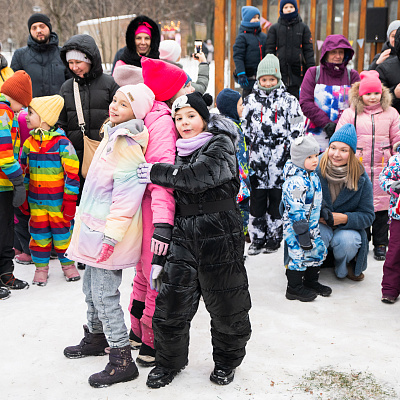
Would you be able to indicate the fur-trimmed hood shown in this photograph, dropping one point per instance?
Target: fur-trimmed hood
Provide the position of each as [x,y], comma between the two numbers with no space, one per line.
[222,125]
[355,100]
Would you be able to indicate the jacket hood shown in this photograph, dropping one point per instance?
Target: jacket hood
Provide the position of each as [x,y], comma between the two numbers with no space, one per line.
[87,45]
[3,61]
[41,134]
[155,35]
[218,125]
[355,100]
[159,109]
[43,47]
[397,43]
[133,128]
[333,42]
[291,169]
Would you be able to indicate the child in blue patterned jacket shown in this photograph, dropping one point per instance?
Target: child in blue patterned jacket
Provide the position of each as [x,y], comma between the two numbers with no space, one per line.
[302,198]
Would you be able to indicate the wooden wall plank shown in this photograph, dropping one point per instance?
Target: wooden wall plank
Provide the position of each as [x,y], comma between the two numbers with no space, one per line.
[232,41]
[219,43]
[361,34]
[264,12]
[346,17]
[313,18]
[329,17]
[398,10]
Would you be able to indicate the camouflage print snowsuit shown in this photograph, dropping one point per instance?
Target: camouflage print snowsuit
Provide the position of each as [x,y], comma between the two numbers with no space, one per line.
[271,122]
[297,196]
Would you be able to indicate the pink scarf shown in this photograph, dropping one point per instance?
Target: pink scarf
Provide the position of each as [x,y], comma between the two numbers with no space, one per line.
[186,147]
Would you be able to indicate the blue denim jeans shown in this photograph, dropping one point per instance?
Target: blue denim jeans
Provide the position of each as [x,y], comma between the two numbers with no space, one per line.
[345,244]
[104,312]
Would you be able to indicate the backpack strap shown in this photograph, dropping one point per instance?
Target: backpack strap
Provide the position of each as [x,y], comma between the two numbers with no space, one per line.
[317,73]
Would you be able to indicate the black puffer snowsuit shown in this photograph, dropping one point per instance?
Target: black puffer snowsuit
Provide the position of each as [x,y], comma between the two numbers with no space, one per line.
[205,256]
[43,64]
[291,42]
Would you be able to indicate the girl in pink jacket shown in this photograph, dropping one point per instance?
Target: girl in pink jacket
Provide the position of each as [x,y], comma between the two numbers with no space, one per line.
[107,236]
[377,126]
[167,82]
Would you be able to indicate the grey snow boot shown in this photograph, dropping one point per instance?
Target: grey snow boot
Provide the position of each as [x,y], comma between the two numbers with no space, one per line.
[93,344]
[120,368]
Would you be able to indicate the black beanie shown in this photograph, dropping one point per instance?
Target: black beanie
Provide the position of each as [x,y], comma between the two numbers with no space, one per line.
[196,101]
[39,18]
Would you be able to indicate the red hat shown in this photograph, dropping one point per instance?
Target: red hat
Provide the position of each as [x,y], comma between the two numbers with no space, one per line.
[19,88]
[370,82]
[164,79]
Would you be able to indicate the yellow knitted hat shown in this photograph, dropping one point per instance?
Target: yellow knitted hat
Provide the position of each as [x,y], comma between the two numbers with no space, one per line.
[48,108]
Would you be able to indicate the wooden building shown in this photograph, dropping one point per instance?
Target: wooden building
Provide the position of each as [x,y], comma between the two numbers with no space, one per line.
[324,17]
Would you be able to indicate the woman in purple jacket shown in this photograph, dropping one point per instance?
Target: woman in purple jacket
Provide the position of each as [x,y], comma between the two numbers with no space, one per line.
[324,91]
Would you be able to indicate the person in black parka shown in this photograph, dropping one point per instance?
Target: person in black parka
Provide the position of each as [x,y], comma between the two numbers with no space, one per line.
[388,51]
[249,48]
[290,40]
[131,54]
[389,73]
[96,91]
[206,251]
[41,58]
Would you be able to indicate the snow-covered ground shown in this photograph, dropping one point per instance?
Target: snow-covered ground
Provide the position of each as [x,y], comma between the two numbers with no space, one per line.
[350,330]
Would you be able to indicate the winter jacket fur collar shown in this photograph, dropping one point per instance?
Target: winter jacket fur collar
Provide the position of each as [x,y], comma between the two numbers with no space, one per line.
[355,100]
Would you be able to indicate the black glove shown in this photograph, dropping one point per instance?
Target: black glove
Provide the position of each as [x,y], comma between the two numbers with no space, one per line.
[161,238]
[254,182]
[242,79]
[327,215]
[19,194]
[329,129]
[301,229]
[395,187]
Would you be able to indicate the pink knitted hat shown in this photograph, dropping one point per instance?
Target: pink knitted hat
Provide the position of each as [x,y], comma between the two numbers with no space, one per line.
[370,82]
[144,28]
[127,74]
[164,79]
[140,97]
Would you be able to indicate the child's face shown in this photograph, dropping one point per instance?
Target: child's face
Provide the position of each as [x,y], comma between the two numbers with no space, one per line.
[311,162]
[189,88]
[32,119]
[120,109]
[256,18]
[240,107]
[288,8]
[14,105]
[371,99]
[268,81]
[188,122]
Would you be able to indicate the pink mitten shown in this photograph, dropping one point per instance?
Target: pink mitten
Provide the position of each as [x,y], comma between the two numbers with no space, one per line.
[106,252]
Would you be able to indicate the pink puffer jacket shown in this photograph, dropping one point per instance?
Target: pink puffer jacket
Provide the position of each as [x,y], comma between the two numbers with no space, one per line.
[378,134]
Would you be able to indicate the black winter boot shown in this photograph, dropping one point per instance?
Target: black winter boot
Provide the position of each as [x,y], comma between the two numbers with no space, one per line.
[120,368]
[222,375]
[161,376]
[93,344]
[311,277]
[147,356]
[295,288]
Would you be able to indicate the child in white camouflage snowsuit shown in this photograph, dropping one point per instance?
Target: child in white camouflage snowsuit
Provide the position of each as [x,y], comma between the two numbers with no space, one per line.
[272,119]
[302,199]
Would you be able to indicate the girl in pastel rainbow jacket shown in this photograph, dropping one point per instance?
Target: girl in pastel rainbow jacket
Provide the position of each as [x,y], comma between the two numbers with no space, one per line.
[108,230]
[51,166]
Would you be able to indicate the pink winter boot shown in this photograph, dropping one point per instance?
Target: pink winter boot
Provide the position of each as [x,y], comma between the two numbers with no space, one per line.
[71,273]
[40,277]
